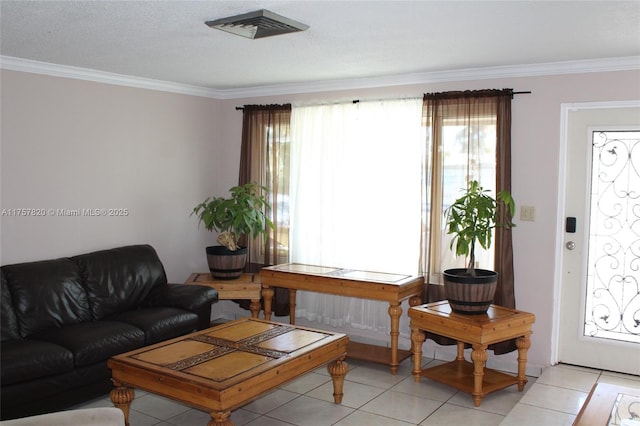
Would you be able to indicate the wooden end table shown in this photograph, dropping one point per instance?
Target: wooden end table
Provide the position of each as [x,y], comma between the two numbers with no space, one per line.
[247,287]
[225,367]
[497,325]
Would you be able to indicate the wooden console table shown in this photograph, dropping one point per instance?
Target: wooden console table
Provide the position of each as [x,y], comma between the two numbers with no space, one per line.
[497,325]
[247,287]
[391,288]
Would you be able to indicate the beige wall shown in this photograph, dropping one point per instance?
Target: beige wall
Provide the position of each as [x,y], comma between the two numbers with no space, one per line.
[72,144]
[76,144]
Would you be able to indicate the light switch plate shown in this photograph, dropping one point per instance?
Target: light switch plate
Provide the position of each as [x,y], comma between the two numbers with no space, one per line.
[528,213]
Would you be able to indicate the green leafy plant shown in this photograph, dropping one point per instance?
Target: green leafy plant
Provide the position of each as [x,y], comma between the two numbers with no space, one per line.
[472,217]
[243,213]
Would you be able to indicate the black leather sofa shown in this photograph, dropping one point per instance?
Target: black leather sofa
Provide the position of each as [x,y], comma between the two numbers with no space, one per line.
[62,320]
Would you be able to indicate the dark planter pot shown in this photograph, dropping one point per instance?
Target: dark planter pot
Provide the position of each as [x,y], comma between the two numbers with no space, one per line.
[470,295]
[225,264]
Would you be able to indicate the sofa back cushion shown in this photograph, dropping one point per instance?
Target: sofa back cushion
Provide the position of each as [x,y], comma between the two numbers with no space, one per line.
[8,320]
[46,294]
[120,279]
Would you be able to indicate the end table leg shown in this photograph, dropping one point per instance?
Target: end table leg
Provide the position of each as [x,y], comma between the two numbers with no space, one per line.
[267,295]
[220,418]
[523,344]
[254,307]
[338,370]
[414,301]
[417,338]
[460,351]
[121,398]
[479,357]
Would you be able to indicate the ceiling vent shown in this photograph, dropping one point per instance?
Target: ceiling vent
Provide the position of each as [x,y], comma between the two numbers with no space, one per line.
[258,24]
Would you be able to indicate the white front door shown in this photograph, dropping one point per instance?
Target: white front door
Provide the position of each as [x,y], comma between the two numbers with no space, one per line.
[599,310]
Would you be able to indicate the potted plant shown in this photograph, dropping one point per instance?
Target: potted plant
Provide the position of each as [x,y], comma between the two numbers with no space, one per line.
[242,214]
[471,219]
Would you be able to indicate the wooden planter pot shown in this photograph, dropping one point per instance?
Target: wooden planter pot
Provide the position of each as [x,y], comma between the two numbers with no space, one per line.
[470,295]
[225,264]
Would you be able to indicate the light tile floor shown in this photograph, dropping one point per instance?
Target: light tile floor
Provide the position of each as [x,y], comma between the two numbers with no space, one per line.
[372,396]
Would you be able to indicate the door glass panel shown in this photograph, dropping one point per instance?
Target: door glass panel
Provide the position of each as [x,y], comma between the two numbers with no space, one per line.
[613,274]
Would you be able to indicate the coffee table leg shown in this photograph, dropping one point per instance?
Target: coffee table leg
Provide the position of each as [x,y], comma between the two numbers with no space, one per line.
[338,371]
[267,295]
[394,313]
[479,357]
[121,398]
[417,338]
[523,344]
[220,418]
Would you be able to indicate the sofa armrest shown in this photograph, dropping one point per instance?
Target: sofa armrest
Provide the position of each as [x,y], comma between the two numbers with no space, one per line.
[194,298]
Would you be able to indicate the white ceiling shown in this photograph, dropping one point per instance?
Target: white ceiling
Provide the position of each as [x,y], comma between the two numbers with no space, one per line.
[347,40]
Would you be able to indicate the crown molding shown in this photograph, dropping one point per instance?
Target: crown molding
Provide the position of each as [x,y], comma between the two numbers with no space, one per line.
[551,68]
[46,68]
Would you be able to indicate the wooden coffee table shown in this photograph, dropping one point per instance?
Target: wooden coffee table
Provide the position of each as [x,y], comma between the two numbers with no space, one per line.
[225,367]
[497,325]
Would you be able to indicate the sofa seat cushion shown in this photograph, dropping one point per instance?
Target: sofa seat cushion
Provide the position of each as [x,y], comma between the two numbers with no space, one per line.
[26,359]
[160,323]
[96,341]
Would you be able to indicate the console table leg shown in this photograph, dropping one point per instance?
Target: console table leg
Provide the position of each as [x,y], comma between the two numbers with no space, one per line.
[415,300]
[292,306]
[338,370]
[220,418]
[479,357]
[121,398]
[394,313]
[267,295]
[523,344]
[417,338]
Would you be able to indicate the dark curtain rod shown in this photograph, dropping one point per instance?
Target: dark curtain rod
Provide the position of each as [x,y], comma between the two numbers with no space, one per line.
[355,101]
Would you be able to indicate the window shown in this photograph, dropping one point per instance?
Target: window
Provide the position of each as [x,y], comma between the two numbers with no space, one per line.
[468,152]
[356,186]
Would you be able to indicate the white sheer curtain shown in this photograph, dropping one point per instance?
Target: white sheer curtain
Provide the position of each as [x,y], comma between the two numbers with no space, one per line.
[356,182]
